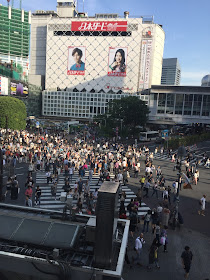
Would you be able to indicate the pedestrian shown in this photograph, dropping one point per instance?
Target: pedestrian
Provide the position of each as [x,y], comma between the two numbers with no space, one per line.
[147,220]
[38,194]
[155,190]
[186,257]
[146,189]
[54,189]
[153,254]
[164,239]
[202,203]
[138,249]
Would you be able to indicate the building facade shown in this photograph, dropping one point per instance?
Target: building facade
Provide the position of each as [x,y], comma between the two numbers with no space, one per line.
[78,105]
[55,36]
[171,72]
[15,37]
[179,104]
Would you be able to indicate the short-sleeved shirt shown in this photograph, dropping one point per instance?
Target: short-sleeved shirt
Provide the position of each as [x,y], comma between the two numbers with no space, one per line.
[187,257]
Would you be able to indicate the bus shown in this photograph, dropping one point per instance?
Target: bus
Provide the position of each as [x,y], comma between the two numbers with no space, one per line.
[148,136]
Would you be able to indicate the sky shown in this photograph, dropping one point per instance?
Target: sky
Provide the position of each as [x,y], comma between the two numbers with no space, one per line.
[186,24]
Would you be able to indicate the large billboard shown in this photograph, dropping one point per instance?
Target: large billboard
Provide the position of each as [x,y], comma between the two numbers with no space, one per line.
[76,60]
[81,57]
[117,61]
[4,82]
[99,26]
[18,89]
[146,54]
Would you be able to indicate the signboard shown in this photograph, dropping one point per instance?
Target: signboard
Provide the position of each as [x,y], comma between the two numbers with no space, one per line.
[99,26]
[146,54]
[4,82]
[117,61]
[18,89]
[76,60]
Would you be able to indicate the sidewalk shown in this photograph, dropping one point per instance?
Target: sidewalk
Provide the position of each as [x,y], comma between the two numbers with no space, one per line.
[170,263]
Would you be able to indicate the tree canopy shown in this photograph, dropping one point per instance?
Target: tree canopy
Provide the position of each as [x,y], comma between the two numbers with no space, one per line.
[12,113]
[128,111]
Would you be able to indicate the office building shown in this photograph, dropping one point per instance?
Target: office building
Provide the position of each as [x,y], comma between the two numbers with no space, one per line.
[57,36]
[15,38]
[171,72]
[179,104]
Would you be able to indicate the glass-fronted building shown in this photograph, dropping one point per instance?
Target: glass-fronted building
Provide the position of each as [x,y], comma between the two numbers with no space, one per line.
[179,104]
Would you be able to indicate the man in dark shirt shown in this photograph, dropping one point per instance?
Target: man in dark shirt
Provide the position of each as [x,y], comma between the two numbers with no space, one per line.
[38,194]
[186,260]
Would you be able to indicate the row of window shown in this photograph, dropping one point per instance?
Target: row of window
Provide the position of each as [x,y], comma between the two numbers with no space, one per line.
[184,104]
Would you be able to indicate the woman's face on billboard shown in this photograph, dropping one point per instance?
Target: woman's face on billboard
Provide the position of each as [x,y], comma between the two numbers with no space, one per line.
[77,58]
[118,57]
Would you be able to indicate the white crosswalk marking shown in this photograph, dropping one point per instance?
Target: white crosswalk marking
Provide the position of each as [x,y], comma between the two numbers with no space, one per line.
[49,202]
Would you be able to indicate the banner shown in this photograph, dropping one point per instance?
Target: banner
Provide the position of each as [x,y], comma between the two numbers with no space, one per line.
[4,82]
[99,26]
[76,60]
[146,53]
[18,89]
[117,61]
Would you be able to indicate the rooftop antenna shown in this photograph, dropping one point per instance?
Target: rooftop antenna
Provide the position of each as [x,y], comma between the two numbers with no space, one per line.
[8,2]
[20,4]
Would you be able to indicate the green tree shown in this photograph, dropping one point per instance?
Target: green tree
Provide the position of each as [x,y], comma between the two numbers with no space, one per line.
[128,112]
[12,113]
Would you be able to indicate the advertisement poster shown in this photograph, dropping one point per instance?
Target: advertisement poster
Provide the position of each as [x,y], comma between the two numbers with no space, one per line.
[76,60]
[19,89]
[3,85]
[117,61]
[108,26]
[146,53]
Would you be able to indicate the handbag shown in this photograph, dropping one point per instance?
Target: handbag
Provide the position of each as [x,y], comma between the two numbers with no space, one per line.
[163,240]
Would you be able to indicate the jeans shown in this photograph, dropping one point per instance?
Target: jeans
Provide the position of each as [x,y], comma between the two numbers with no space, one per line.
[146,224]
[137,258]
[155,192]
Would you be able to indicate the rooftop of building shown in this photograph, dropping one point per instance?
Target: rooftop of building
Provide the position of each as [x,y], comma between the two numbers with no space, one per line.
[180,88]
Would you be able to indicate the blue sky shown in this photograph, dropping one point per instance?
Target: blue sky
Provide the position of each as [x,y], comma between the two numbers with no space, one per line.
[186,24]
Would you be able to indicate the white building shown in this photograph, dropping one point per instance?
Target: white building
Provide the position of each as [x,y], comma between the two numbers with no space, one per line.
[179,104]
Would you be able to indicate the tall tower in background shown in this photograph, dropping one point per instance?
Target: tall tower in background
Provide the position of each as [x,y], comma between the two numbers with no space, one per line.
[171,72]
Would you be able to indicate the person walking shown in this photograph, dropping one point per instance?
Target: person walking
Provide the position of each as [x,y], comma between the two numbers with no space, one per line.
[38,194]
[147,220]
[153,254]
[138,249]
[155,190]
[186,257]
[146,189]
[202,203]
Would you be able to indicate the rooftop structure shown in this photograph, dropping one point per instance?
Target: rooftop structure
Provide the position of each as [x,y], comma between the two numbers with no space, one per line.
[44,244]
[205,81]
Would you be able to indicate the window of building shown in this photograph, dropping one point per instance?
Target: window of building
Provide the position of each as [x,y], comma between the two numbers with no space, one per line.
[206,106]
[161,103]
[170,103]
[197,104]
[179,104]
[188,100]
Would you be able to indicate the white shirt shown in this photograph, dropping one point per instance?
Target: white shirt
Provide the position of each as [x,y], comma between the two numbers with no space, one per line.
[138,243]
[203,201]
